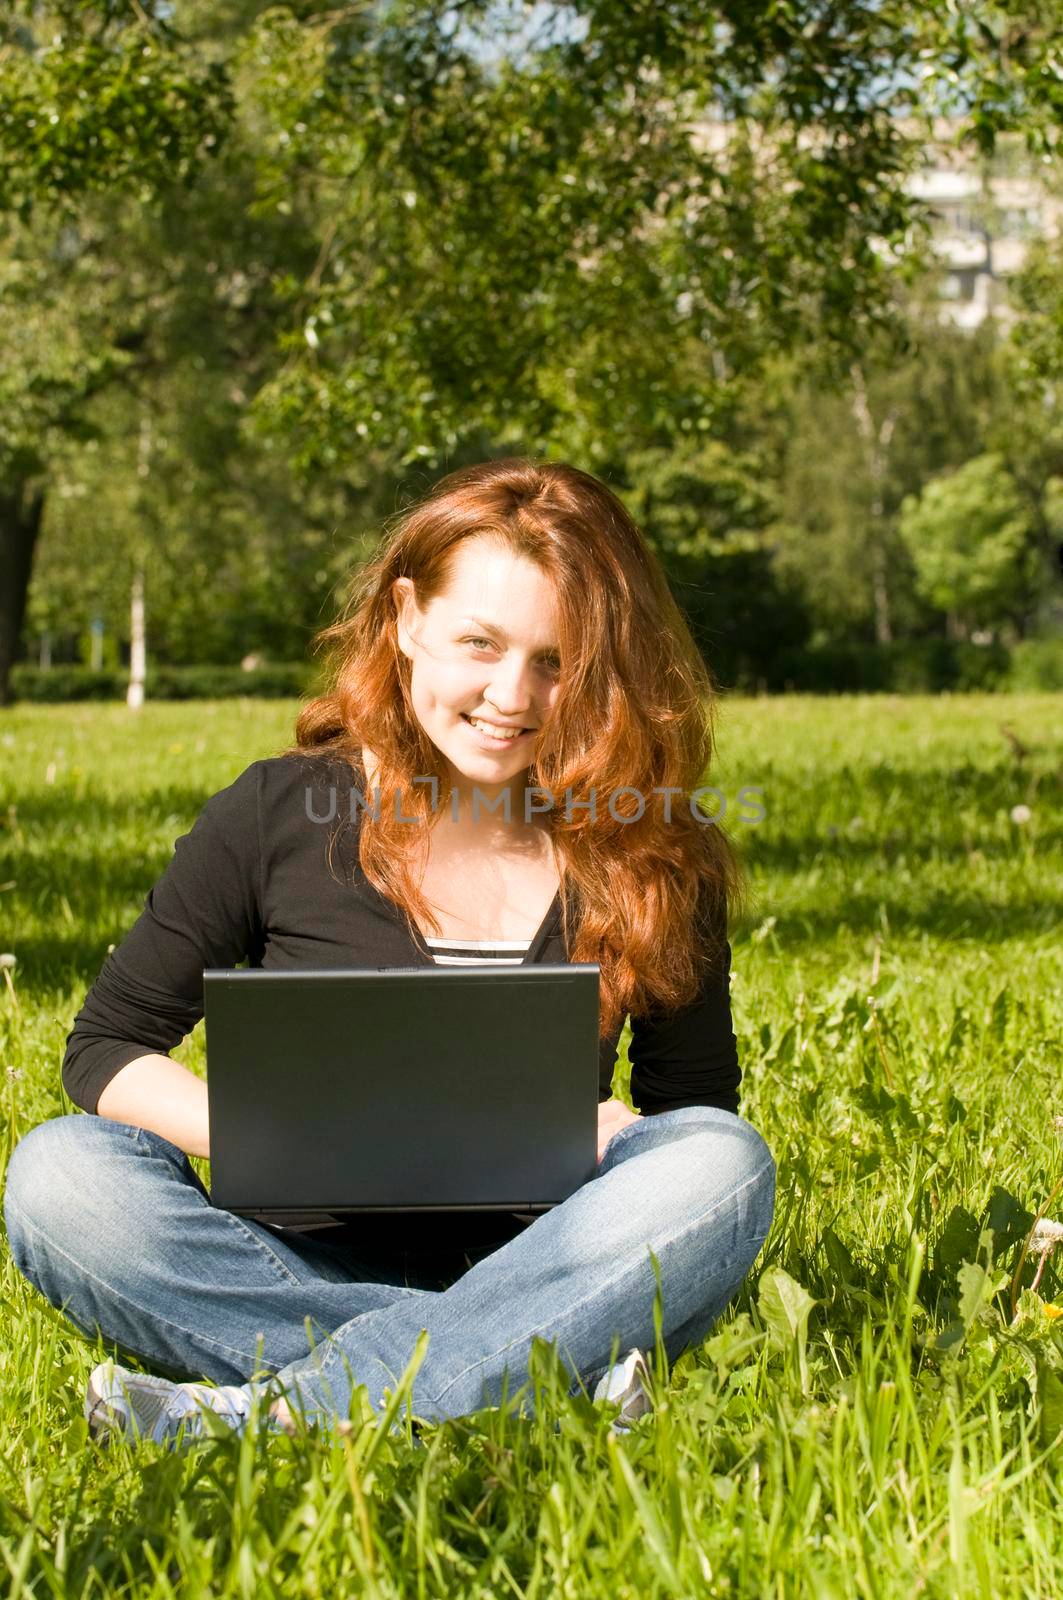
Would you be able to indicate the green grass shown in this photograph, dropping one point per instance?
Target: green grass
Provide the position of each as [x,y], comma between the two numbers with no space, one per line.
[870,1417]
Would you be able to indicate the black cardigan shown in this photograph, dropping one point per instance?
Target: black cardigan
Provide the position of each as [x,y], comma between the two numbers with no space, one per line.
[252,880]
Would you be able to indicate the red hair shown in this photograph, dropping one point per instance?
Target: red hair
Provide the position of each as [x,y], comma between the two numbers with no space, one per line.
[635,709]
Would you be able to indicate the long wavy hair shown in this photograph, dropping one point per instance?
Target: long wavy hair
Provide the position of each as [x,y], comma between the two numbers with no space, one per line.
[647,898]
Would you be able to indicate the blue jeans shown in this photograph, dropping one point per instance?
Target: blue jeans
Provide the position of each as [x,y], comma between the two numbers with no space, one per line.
[113,1226]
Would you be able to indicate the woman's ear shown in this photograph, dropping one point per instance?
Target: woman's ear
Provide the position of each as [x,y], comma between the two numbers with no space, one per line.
[403,596]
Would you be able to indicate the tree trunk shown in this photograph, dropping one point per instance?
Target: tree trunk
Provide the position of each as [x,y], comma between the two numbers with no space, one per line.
[880,594]
[137,642]
[21,508]
[876,441]
[137,651]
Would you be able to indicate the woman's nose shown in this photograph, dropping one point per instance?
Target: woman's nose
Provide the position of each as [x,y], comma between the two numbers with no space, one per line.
[510,690]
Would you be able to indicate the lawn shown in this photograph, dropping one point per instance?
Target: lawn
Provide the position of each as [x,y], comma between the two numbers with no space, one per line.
[879,1413]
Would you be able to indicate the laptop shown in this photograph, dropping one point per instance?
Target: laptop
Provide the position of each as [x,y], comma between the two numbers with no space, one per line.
[401,1089]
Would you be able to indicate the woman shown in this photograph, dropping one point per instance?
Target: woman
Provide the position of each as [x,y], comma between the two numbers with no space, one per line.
[515,639]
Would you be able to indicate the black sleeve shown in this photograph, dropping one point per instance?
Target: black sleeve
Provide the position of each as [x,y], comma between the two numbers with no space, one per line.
[203,912]
[688,1057]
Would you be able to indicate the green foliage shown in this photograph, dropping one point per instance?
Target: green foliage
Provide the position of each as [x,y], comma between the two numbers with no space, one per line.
[56,355]
[969,535]
[58,684]
[101,98]
[784,1308]
[548,193]
[845,456]
[907,666]
[995,62]
[705,509]
[1037,664]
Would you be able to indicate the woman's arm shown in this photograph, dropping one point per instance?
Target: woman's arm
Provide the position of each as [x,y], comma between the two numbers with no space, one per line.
[689,1057]
[157,1092]
[203,912]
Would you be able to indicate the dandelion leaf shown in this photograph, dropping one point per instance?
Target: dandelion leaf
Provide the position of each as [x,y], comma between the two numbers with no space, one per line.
[999,1018]
[975,1287]
[955,1110]
[784,1306]
[958,1242]
[1050,1401]
[838,1255]
[1009,1219]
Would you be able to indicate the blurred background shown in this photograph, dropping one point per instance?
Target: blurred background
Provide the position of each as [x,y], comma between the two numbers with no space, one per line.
[789,277]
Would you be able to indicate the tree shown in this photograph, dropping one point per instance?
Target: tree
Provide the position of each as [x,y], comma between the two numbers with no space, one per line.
[1028,432]
[89,102]
[707,511]
[583,246]
[846,455]
[969,534]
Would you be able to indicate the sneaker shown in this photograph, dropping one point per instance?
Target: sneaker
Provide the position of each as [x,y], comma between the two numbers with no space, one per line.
[625,1385]
[140,1406]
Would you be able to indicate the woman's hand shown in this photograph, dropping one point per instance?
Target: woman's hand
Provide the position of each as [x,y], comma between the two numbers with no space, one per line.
[612,1116]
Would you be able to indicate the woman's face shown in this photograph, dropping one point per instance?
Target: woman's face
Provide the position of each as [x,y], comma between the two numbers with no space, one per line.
[485,650]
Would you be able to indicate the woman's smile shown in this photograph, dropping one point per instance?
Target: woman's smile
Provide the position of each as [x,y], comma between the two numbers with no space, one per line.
[490,740]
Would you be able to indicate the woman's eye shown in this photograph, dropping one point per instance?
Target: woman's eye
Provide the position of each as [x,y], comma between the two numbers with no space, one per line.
[552,667]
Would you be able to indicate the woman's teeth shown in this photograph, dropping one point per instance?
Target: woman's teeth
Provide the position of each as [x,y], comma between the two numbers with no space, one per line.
[495,733]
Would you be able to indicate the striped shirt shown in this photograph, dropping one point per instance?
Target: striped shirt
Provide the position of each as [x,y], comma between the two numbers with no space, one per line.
[467,952]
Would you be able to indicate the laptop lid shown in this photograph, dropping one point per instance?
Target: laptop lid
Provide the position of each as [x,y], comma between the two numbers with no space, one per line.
[404,1088]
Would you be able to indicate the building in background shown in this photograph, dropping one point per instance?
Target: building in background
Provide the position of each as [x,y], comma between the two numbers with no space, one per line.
[984,215]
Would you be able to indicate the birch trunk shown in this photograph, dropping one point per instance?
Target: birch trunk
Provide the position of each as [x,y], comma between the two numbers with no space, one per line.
[137,651]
